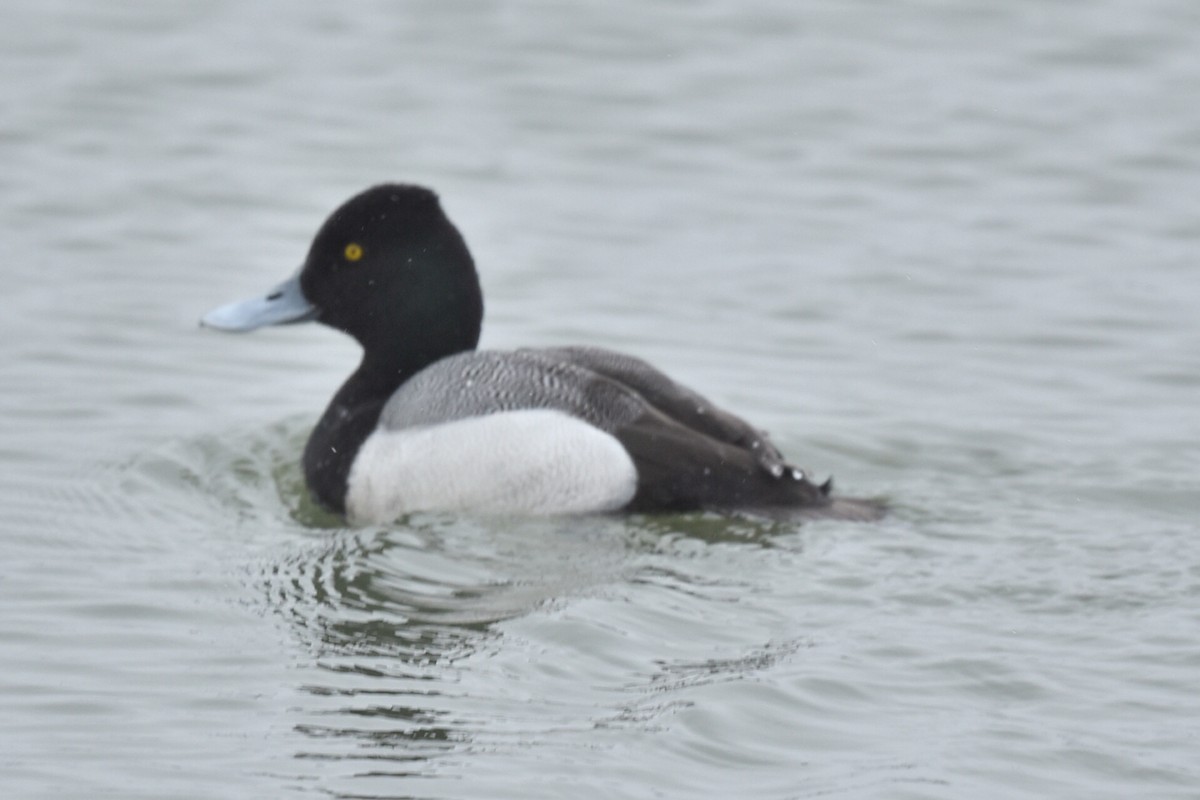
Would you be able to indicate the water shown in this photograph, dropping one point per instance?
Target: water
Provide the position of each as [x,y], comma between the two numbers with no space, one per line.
[944,251]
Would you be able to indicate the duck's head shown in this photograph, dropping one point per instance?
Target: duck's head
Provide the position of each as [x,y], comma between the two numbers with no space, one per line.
[389,269]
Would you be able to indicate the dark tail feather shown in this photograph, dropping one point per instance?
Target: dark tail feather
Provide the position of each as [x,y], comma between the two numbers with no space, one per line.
[679,470]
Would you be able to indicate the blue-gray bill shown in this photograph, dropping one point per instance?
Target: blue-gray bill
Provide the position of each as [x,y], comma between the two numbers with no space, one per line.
[284,304]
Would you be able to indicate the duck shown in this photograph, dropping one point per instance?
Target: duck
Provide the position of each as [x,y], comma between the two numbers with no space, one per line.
[429,423]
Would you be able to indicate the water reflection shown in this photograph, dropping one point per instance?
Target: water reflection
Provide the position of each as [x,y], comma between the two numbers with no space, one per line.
[709,528]
[394,618]
[407,625]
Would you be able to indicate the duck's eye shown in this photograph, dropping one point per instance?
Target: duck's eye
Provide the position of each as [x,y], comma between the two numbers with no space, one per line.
[353,251]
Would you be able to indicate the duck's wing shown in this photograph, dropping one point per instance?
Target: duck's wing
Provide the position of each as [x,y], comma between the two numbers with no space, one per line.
[605,388]
[688,453]
[677,402]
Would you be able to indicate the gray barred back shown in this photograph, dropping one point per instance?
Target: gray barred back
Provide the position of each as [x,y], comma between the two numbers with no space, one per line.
[476,383]
[608,389]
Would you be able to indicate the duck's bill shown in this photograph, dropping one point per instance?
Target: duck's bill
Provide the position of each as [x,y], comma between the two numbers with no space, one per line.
[284,304]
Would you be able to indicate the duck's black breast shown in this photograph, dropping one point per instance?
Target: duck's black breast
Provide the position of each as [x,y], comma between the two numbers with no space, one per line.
[335,442]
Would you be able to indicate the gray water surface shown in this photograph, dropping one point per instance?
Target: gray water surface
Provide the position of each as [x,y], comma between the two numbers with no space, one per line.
[945,251]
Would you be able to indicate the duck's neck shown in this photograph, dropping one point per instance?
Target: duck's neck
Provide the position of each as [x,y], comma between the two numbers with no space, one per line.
[347,422]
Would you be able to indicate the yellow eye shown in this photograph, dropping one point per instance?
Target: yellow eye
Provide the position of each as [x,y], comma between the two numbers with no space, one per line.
[353,251]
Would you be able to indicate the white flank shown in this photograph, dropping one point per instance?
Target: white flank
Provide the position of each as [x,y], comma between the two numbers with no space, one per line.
[516,462]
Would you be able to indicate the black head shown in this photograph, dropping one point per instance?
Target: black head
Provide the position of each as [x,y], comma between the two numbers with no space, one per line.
[392,271]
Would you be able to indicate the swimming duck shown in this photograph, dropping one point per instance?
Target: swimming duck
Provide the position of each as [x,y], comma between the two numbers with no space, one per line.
[429,423]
